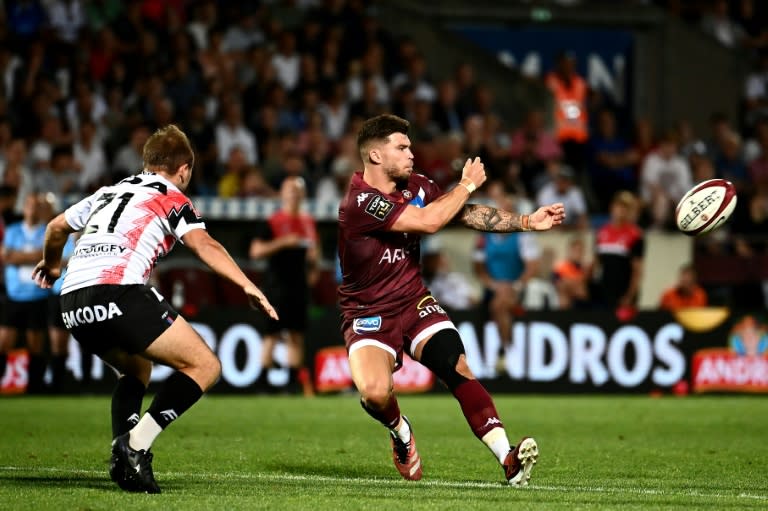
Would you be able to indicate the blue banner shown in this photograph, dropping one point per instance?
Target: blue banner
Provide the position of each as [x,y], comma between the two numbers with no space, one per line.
[603,56]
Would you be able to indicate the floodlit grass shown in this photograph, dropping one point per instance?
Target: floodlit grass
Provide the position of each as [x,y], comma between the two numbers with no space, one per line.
[256,452]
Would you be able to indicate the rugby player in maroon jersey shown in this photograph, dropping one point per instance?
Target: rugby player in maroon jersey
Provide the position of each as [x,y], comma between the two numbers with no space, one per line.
[387,309]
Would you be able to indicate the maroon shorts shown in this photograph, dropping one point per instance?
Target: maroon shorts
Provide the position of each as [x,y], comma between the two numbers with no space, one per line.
[396,330]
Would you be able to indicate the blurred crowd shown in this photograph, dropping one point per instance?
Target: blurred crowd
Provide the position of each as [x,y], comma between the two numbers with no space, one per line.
[273,89]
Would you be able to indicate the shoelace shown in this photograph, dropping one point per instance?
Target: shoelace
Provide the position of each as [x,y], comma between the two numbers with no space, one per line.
[401,449]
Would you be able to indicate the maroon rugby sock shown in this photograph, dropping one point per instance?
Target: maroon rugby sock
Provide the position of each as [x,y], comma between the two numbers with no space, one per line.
[389,416]
[478,407]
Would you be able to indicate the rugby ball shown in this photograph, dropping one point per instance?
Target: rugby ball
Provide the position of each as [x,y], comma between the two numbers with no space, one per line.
[705,207]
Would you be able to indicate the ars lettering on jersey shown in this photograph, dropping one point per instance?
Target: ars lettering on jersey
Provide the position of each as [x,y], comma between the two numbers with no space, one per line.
[393,255]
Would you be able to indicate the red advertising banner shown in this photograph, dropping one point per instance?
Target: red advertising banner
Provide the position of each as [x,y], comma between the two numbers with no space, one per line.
[332,373]
[741,367]
[15,379]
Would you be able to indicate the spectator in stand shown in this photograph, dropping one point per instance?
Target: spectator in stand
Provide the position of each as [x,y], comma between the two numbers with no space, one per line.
[286,61]
[331,188]
[758,167]
[63,176]
[686,293]
[66,18]
[720,129]
[423,130]
[231,132]
[335,111]
[451,288]
[290,243]
[571,278]
[254,184]
[15,174]
[756,90]
[570,92]
[619,249]
[128,160]
[369,105]
[235,169]
[504,263]
[612,159]
[730,165]
[563,189]
[644,142]
[666,177]
[90,158]
[545,146]
[718,24]
[415,74]
[446,111]
[25,308]
[51,135]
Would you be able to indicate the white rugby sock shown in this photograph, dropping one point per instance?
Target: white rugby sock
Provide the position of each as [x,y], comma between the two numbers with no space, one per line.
[497,441]
[144,433]
[403,431]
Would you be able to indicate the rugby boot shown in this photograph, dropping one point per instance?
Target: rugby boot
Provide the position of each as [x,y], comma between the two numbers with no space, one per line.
[406,457]
[520,461]
[136,465]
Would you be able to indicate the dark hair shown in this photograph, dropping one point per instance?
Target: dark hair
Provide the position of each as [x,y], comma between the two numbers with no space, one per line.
[379,128]
[168,148]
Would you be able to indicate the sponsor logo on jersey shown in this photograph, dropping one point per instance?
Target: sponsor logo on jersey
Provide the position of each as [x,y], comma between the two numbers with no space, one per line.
[90,314]
[99,249]
[428,305]
[393,255]
[369,324]
[379,207]
[361,197]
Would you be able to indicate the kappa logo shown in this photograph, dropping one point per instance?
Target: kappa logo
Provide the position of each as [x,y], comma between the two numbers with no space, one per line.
[361,197]
[492,421]
[169,414]
[133,419]
[369,324]
[379,207]
[428,305]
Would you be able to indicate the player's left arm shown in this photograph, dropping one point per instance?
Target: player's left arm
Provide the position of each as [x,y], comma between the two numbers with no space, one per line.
[49,269]
[489,219]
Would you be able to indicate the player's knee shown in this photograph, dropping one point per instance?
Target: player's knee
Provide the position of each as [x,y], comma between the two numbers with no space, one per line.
[443,356]
[375,394]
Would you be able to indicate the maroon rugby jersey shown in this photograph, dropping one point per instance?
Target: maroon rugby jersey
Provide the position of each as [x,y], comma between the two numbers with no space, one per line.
[380,268]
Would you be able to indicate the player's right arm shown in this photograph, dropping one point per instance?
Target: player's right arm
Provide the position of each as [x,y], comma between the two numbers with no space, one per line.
[49,269]
[438,213]
[212,253]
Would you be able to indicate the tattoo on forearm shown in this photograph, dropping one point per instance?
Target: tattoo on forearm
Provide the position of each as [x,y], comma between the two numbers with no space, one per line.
[488,219]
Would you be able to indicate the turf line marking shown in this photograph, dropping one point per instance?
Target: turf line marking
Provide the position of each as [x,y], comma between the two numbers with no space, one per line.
[434,483]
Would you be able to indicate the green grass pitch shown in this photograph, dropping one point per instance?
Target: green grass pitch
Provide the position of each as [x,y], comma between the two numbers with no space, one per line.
[256,452]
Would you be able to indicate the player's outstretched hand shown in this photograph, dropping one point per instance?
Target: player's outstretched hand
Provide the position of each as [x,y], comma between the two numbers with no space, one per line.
[474,170]
[259,301]
[547,217]
[44,276]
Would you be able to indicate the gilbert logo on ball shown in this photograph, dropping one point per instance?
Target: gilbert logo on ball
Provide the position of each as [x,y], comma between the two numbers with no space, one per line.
[705,207]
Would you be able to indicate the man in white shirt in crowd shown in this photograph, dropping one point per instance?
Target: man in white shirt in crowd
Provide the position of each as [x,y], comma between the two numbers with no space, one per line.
[563,189]
[665,177]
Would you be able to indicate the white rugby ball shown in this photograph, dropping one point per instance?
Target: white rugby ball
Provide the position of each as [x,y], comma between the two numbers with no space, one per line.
[705,207]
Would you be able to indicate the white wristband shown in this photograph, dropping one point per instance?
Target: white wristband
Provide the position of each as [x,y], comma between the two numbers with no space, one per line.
[470,187]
